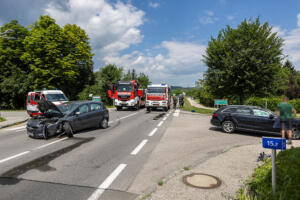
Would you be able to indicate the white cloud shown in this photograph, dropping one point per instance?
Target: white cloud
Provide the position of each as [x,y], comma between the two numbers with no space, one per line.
[291,42]
[208,18]
[154,4]
[230,17]
[111,27]
[182,64]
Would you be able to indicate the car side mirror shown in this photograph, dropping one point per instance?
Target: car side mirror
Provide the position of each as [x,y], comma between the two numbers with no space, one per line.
[77,113]
[271,116]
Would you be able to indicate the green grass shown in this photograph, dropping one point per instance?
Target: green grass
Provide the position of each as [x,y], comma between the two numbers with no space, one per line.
[160,183]
[188,107]
[288,179]
[186,168]
[2,119]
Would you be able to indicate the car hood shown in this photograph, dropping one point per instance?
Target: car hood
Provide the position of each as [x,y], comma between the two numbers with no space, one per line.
[44,106]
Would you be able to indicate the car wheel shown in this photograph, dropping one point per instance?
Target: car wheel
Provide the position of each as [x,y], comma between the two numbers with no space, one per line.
[148,109]
[295,134]
[228,126]
[68,129]
[118,108]
[104,123]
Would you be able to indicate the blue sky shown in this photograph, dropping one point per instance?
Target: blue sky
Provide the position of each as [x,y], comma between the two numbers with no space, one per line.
[163,38]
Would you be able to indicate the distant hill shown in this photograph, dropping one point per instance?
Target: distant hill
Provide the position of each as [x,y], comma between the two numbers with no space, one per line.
[180,88]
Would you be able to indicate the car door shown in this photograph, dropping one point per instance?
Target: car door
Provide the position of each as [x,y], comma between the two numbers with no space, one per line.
[263,122]
[81,117]
[96,113]
[243,117]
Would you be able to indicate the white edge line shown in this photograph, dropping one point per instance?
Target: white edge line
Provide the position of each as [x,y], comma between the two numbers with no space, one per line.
[13,129]
[107,182]
[139,147]
[160,123]
[45,145]
[21,130]
[152,132]
[15,156]
[165,118]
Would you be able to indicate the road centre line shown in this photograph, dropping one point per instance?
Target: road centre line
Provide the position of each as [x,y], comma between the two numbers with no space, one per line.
[160,123]
[139,147]
[13,129]
[152,132]
[45,145]
[15,156]
[107,182]
[165,118]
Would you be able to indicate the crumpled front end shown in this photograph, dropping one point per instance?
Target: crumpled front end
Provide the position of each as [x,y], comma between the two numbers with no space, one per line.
[43,127]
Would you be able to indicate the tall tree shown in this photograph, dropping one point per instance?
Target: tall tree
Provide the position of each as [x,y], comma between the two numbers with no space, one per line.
[58,57]
[244,61]
[143,80]
[14,80]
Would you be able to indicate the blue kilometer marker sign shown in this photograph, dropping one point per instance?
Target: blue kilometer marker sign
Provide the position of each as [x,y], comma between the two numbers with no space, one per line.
[274,143]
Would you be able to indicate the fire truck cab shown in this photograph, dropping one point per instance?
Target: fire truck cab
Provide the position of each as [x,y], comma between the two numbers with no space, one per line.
[127,94]
[55,96]
[158,96]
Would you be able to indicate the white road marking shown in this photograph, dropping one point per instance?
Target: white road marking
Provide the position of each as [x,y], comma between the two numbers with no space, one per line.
[176,113]
[45,145]
[160,123]
[15,156]
[17,128]
[107,182]
[129,115]
[139,147]
[21,130]
[152,132]
[165,118]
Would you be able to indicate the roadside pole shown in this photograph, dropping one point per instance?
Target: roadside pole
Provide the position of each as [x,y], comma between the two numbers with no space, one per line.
[274,170]
[274,143]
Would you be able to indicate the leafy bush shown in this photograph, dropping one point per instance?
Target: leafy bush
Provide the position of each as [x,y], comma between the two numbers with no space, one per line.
[288,178]
[271,103]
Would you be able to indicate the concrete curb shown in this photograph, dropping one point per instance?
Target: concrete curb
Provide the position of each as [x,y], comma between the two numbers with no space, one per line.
[14,123]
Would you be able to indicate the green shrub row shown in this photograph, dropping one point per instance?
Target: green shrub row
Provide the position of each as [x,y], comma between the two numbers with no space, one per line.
[271,103]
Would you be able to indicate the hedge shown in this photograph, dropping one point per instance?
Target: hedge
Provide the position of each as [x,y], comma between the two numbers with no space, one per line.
[271,103]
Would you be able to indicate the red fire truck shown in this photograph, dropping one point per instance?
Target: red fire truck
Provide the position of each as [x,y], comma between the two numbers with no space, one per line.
[158,96]
[127,94]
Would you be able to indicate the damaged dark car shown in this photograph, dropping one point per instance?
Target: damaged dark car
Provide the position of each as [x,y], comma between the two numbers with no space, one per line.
[67,118]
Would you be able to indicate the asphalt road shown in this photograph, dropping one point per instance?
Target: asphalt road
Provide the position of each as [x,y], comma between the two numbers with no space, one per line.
[95,164]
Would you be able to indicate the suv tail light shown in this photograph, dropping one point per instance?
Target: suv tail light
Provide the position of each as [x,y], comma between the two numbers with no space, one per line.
[214,114]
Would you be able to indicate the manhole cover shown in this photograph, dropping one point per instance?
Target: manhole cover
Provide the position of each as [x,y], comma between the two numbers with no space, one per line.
[199,180]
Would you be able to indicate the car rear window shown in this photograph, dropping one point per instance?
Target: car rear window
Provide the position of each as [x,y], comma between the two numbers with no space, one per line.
[229,110]
[244,111]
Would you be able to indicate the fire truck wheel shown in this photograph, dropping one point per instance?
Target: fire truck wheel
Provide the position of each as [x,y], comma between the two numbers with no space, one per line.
[118,108]
[148,109]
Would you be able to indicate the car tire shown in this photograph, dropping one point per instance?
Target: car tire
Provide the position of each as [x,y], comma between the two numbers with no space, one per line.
[295,134]
[104,123]
[228,126]
[68,129]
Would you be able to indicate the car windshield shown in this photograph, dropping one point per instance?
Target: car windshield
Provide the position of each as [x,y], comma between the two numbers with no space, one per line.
[156,90]
[68,107]
[124,88]
[56,97]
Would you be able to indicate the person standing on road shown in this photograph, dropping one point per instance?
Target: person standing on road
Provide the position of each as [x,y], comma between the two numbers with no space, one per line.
[286,112]
[174,101]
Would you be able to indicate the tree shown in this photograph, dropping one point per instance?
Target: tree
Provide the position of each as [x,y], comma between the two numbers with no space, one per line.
[244,61]
[143,80]
[106,76]
[289,81]
[58,57]
[14,81]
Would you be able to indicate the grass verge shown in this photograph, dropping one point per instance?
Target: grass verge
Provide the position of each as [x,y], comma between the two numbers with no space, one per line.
[2,119]
[188,107]
[288,179]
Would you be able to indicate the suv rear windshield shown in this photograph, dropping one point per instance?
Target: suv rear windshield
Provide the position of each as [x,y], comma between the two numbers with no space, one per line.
[156,90]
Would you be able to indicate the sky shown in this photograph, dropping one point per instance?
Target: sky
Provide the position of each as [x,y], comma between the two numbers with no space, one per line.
[165,39]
